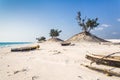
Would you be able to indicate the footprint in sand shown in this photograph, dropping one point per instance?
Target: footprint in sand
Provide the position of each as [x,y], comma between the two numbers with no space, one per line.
[35,77]
[57,53]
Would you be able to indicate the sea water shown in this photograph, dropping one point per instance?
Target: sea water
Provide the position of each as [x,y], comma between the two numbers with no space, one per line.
[5,44]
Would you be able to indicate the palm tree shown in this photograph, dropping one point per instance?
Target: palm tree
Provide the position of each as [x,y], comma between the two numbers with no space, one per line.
[88,25]
[55,32]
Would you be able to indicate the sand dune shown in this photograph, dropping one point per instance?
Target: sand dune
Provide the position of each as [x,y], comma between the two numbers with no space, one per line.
[85,37]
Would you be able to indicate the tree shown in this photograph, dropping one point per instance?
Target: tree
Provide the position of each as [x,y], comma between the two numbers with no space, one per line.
[88,25]
[41,38]
[55,32]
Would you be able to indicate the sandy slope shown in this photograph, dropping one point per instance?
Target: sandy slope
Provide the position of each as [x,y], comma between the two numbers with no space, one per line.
[53,62]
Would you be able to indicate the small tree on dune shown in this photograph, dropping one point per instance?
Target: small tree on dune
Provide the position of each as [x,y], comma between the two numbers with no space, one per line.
[88,25]
[41,38]
[55,33]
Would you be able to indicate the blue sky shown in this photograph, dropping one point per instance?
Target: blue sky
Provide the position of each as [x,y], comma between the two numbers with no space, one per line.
[24,20]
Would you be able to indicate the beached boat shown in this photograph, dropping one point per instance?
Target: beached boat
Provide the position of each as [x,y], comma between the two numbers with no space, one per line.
[65,43]
[25,48]
[106,60]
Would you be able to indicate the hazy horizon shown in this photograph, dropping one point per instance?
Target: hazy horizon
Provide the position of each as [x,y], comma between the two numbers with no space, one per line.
[25,20]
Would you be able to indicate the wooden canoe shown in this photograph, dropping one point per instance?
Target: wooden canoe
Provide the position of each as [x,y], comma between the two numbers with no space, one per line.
[65,43]
[25,48]
[101,59]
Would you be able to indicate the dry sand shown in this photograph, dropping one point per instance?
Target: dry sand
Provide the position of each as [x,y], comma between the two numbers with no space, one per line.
[53,62]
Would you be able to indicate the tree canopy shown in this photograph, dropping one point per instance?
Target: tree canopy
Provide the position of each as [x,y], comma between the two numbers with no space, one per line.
[41,38]
[87,25]
[55,32]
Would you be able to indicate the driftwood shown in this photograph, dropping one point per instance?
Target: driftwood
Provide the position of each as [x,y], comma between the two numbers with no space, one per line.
[106,60]
[23,70]
[25,48]
[105,71]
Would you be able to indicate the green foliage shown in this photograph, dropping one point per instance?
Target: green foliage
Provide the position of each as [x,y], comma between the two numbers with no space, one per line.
[41,38]
[55,32]
[88,25]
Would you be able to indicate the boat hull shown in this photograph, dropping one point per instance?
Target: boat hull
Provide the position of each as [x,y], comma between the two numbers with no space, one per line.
[105,61]
[24,48]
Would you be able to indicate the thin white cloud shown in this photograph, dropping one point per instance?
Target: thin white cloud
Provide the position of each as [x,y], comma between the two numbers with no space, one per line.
[118,19]
[102,27]
[105,25]
[99,28]
[114,33]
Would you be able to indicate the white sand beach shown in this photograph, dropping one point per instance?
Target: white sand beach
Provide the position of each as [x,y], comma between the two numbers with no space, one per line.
[53,62]
[59,39]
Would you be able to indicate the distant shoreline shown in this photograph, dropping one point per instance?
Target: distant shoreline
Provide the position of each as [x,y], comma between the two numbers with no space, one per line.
[7,44]
[113,40]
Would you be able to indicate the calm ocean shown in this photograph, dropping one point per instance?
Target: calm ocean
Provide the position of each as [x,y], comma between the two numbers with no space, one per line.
[4,44]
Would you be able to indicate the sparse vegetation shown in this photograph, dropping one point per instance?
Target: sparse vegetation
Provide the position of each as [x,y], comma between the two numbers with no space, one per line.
[88,25]
[55,33]
[41,38]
